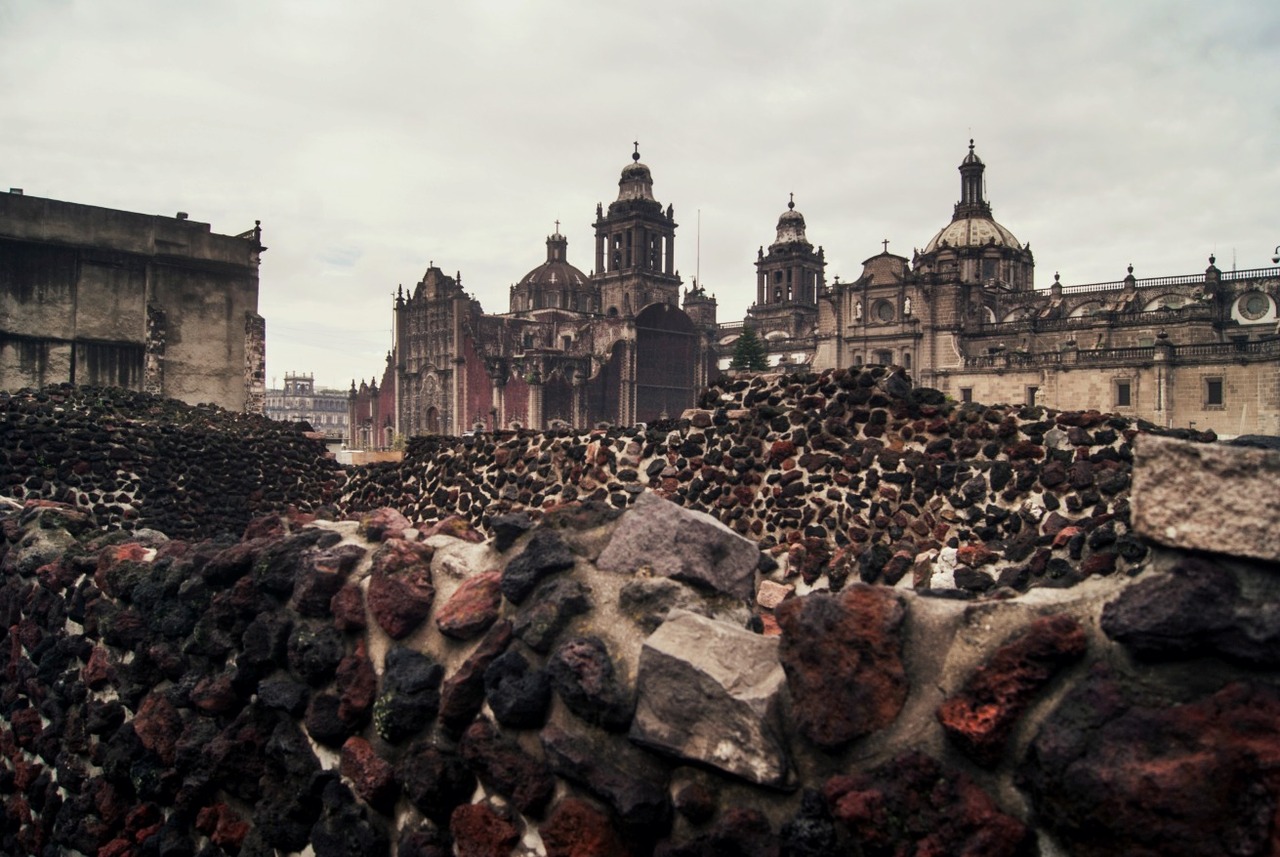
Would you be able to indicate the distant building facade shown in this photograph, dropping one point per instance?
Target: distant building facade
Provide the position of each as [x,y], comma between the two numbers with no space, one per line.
[963,316]
[574,348]
[300,401]
[99,297]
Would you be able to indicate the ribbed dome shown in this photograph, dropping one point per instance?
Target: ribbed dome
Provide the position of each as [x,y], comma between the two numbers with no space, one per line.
[556,271]
[973,232]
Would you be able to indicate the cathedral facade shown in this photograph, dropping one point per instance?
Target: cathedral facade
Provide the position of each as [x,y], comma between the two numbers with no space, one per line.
[963,316]
[625,343]
[610,347]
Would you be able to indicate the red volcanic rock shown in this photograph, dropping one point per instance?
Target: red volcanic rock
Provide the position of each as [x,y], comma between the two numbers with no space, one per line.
[158,725]
[456,527]
[781,449]
[503,766]
[843,659]
[214,694]
[578,829]
[1065,535]
[976,555]
[98,671]
[347,607]
[1112,773]
[400,588]
[382,524]
[462,694]
[473,607]
[26,726]
[913,805]
[372,776]
[982,715]
[321,575]
[1103,562]
[357,685]
[478,831]
[223,825]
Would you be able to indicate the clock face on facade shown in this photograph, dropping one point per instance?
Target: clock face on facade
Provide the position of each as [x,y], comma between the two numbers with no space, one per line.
[1254,305]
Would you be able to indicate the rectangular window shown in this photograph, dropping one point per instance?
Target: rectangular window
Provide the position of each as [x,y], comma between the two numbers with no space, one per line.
[966,394]
[1124,394]
[1031,396]
[1213,393]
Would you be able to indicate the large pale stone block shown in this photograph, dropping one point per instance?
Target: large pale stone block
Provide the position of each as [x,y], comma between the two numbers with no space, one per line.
[711,692]
[1207,497]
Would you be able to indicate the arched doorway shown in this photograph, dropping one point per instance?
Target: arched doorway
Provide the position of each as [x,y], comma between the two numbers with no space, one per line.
[433,420]
[666,362]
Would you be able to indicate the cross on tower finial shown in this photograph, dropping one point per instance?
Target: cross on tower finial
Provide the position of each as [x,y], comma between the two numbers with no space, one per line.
[557,227]
[791,203]
[635,156]
[885,242]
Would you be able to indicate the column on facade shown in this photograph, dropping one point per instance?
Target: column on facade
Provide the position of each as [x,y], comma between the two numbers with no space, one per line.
[535,401]
[627,393]
[671,254]
[579,382]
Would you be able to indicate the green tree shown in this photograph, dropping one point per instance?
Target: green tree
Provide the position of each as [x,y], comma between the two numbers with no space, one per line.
[749,351]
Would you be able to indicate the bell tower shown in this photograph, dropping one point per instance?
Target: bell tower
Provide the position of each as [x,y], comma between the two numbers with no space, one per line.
[635,246]
[789,279]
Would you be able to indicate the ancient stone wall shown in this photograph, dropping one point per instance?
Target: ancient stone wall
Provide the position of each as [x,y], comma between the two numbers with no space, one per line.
[843,475]
[135,460]
[610,682]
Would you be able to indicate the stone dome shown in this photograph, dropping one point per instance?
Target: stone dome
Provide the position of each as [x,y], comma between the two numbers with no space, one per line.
[973,232]
[554,284]
[791,226]
[972,225]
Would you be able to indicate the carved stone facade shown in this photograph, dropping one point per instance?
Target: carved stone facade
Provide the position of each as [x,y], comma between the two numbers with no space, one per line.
[99,297]
[962,315]
[575,349]
[300,401]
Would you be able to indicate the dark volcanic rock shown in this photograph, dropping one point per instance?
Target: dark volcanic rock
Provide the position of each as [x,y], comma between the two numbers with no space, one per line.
[410,695]
[913,805]
[633,783]
[503,766]
[553,605]
[462,693]
[583,674]
[544,554]
[517,694]
[435,779]
[1107,774]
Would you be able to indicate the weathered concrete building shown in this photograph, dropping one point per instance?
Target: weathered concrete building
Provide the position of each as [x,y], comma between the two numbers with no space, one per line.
[96,296]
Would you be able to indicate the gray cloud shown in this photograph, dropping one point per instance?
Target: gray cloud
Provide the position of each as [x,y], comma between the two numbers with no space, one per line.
[371,141]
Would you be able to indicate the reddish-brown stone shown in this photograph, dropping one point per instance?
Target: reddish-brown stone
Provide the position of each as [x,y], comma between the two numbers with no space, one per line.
[478,831]
[502,765]
[214,694]
[983,714]
[473,607]
[357,685]
[382,525]
[98,672]
[843,658]
[578,829]
[1114,773]
[454,526]
[913,805]
[1102,562]
[348,608]
[400,588]
[372,777]
[462,694]
[223,825]
[976,555]
[158,725]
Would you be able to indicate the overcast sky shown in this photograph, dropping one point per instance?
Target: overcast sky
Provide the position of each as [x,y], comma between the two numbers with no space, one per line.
[374,138]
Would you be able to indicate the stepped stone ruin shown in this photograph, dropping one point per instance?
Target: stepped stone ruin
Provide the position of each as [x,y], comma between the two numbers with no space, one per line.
[818,615]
